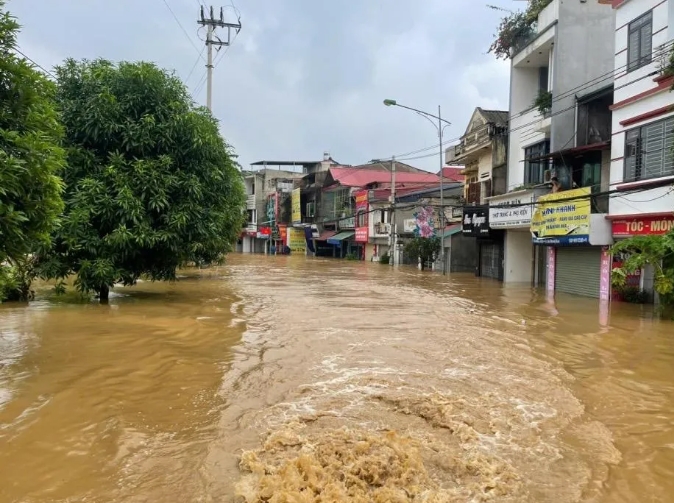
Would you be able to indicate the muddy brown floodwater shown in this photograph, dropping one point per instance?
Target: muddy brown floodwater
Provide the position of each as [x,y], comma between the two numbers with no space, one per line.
[287,379]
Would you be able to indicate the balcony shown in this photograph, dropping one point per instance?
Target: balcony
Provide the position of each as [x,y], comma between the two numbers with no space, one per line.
[250,228]
[250,202]
[468,150]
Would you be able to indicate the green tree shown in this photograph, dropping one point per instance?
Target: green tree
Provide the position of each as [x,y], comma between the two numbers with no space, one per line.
[150,183]
[30,159]
[424,248]
[656,251]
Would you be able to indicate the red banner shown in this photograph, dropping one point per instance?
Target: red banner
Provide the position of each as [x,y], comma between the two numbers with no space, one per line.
[643,225]
[283,233]
[361,234]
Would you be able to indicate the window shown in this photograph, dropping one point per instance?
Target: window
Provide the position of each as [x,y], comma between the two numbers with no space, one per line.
[640,42]
[648,151]
[310,209]
[534,170]
[361,219]
[543,72]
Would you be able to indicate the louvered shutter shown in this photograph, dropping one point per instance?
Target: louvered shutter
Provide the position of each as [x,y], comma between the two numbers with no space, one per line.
[578,271]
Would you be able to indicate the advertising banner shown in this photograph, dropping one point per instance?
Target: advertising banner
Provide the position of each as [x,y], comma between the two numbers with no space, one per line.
[475,221]
[519,215]
[641,226]
[563,216]
[361,234]
[296,204]
[297,240]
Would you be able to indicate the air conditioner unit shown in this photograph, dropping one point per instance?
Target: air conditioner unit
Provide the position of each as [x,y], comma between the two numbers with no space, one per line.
[547,175]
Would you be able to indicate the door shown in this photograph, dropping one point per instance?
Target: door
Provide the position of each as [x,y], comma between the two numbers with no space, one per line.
[491,260]
[578,271]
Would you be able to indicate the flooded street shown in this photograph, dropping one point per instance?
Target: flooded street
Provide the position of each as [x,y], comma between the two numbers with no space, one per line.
[291,377]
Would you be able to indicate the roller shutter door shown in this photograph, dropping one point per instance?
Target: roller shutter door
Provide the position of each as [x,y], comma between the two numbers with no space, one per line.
[578,271]
[490,260]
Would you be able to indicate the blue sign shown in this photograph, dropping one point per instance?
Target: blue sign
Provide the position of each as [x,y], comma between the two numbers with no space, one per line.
[571,240]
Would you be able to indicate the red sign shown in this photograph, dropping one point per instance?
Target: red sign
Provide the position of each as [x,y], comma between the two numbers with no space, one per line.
[361,234]
[283,233]
[640,226]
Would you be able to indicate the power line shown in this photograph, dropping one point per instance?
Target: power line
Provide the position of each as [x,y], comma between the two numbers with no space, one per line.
[16,49]
[182,27]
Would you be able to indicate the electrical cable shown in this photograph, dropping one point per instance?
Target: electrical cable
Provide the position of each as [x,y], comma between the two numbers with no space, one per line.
[181,26]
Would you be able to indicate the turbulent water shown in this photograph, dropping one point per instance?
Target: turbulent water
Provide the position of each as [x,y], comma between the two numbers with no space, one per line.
[285,379]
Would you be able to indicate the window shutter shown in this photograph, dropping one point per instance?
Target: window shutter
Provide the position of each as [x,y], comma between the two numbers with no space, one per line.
[646,42]
[633,50]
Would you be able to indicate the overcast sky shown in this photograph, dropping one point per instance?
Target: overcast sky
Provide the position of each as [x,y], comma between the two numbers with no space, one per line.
[303,76]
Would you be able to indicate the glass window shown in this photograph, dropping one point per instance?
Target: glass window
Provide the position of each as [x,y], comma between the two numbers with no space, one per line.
[640,42]
[648,151]
[534,169]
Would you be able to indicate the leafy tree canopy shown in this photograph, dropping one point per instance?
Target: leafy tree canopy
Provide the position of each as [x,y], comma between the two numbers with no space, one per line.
[30,152]
[424,248]
[150,183]
[656,251]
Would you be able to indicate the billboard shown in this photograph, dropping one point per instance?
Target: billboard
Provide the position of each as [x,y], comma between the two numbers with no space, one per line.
[563,216]
[296,203]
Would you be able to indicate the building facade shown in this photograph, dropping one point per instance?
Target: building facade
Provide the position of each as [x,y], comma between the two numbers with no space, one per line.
[642,164]
[559,140]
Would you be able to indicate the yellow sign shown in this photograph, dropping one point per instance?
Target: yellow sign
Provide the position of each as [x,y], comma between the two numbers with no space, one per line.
[296,206]
[296,240]
[563,213]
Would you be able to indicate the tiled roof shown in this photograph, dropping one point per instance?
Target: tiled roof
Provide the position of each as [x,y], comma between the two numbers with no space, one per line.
[496,116]
[364,176]
[453,173]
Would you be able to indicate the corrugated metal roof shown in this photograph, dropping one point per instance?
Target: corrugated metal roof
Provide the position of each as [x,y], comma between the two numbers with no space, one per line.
[358,177]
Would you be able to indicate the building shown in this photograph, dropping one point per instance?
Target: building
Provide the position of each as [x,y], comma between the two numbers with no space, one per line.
[642,163]
[482,151]
[268,204]
[561,91]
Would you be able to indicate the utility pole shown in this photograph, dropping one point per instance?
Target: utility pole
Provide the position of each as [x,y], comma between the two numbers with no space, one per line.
[211,23]
[442,196]
[393,235]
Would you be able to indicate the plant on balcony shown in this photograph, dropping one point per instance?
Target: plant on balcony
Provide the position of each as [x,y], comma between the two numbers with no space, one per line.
[667,62]
[543,102]
[515,29]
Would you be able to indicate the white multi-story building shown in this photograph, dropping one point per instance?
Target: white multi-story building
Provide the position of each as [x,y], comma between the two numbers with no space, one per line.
[642,159]
[560,127]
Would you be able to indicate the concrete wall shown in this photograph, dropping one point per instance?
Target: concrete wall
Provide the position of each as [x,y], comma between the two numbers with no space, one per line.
[522,134]
[519,256]
[584,51]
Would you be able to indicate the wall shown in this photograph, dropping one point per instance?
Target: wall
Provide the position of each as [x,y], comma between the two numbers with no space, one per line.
[518,256]
[584,51]
[522,134]
[629,85]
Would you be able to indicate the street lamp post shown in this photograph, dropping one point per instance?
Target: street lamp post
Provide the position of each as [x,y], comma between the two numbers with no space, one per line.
[440,127]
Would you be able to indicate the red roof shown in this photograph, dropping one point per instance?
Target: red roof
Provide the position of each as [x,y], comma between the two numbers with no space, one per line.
[453,173]
[359,177]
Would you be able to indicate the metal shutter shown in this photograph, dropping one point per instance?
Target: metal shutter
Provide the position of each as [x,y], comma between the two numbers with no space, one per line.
[578,271]
[490,260]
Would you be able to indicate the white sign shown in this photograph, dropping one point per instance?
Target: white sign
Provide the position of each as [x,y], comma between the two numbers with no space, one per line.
[409,224]
[513,212]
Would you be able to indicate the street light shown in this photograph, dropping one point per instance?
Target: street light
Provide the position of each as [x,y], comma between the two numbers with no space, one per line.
[440,128]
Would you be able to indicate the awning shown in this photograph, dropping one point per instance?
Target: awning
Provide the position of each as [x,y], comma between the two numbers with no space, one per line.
[570,152]
[342,236]
[453,229]
[325,235]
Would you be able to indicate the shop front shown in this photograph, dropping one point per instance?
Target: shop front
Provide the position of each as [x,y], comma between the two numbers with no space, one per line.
[577,241]
[626,226]
[490,242]
[511,213]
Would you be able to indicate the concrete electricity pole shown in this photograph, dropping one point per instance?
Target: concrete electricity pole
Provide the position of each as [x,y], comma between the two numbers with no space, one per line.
[393,235]
[211,23]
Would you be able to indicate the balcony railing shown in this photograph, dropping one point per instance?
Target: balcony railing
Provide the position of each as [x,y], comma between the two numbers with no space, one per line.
[251,227]
[382,229]
[250,202]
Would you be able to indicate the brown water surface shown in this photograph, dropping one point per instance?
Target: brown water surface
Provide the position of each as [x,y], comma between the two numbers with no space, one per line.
[283,378]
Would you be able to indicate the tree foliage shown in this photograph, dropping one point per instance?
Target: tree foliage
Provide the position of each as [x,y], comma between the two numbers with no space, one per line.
[656,251]
[516,28]
[150,183]
[424,248]
[30,152]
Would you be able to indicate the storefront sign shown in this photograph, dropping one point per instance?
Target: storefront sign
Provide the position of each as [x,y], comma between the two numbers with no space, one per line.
[296,204]
[361,200]
[605,275]
[640,226]
[475,221]
[552,265]
[296,240]
[361,234]
[347,223]
[511,212]
[409,224]
[457,212]
[562,214]
[283,233]
[264,233]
